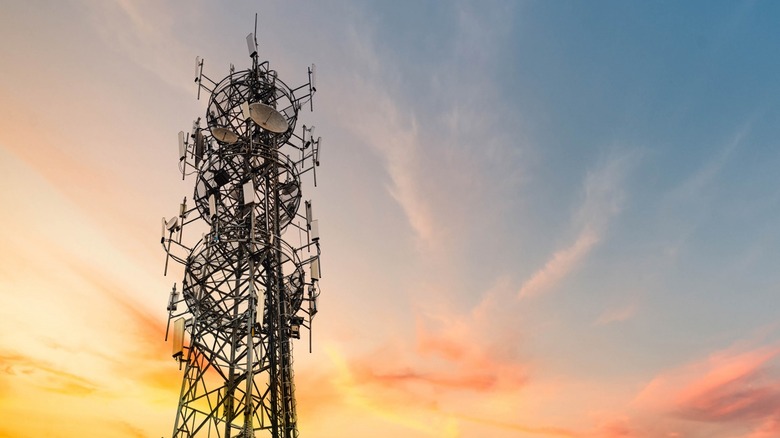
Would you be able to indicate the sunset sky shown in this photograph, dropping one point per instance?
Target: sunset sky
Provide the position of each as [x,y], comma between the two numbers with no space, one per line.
[538,218]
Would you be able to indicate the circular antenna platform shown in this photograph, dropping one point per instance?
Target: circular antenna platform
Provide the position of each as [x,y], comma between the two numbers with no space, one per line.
[224,135]
[268,118]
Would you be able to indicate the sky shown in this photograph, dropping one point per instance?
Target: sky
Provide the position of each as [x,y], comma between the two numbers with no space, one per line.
[537,219]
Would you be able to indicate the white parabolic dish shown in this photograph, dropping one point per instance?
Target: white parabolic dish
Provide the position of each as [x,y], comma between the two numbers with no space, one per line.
[268,118]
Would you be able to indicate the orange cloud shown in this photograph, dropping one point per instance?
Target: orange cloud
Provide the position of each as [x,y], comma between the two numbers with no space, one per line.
[475,381]
[727,387]
[533,430]
[27,370]
[768,429]
[616,428]
[449,374]
[148,330]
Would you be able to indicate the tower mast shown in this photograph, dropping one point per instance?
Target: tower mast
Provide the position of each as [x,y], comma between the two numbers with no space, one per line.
[246,292]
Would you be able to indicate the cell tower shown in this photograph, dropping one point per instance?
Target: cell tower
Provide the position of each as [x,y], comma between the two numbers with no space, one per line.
[245,292]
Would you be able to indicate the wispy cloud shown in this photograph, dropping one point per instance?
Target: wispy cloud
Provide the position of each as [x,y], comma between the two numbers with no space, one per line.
[27,370]
[736,386]
[704,177]
[603,198]
[142,31]
[388,130]
[770,428]
[448,356]
[440,149]
[446,402]
[561,263]
[453,365]
[398,407]
[617,314]
[523,428]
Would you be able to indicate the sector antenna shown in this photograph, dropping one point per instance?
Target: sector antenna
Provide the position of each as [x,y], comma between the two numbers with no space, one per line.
[250,281]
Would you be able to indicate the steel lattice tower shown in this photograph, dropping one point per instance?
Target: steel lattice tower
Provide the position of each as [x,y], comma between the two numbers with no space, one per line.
[246,290]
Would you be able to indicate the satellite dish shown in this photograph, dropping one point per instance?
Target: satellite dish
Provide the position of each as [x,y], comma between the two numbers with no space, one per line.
[268,118]
[224,135]
[173,224]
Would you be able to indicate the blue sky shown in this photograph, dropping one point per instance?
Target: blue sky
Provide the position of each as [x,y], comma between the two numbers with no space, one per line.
[538,218]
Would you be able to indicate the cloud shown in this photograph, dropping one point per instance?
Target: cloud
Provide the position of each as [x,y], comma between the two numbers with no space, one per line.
[398,407]
[449,400]
[525,429]
[131,430]
[770,428]
[143,31]
[445,360]
[603,199]
[561,263]
[447,155]
[619,427]
[705,176]
[728,387]
[617,314]
[388,130]
[27,370]
[454,365]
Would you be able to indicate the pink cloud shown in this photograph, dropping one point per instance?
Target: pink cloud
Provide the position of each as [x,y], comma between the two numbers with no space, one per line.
[768,429]
[739,387]
[524,428]
[447,359]
[450,366]
[616,428]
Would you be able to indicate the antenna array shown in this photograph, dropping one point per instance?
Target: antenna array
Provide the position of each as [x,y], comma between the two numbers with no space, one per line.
[246,291]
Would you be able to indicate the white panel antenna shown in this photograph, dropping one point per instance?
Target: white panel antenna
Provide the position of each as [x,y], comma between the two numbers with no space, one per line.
[317,152]
[315,269]
[174,298]
[251,45]
[245,110]
[212,206]
[315,230]
[260,308]
[200,145]
[312,300]
[249,193]
[182,146]
[178,337]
